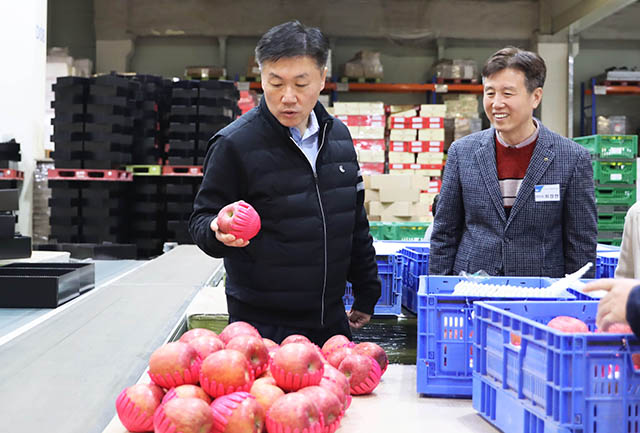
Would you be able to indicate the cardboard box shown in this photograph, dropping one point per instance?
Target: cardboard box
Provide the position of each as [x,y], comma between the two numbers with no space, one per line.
[431,134]
[426,197]
[433,110]
[371,132]
[403,134]
[403,110]
[402,157]
[371,195]
[368,155]
[429,157]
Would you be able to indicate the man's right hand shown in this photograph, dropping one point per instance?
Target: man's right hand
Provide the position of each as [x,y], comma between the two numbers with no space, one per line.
[226,238]
[613,306]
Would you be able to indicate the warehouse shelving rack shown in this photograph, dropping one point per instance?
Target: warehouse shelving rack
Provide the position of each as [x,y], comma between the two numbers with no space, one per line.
[592,92]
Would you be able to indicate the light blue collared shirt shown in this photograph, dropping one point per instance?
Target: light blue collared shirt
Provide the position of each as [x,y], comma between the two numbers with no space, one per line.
[309,142]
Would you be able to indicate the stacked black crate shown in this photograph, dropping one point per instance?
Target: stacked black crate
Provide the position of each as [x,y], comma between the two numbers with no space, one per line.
[12,245]
[70,97]
[181,185]
[151,104]
[66,205]
[148,211]
[217,107]
[109,124]
[183,127]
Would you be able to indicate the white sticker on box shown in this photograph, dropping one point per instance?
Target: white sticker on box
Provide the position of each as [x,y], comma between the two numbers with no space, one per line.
[600,90]
[616,150]
[616,176]
[342,87]
[243,85]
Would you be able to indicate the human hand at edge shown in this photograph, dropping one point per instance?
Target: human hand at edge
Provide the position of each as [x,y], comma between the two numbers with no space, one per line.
[613,306]
[357,319]
[226,238]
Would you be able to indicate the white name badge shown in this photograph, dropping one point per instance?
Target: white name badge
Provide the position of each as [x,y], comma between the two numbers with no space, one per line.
[547,192]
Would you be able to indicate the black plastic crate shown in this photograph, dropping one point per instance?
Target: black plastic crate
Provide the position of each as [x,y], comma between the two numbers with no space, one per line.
[17,247]
[182,110]
[7,226]
[44,285]
[9,199]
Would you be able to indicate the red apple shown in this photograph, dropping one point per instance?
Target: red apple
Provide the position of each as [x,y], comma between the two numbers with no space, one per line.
[187,391]
[635,358]
[334,342]
[238,412]
[184,415]
[363,373]
[195,333]
[332,373]
[296,365]
[295,338]
[266,380]
[293,412]
[206,345]
[374,351]
[267,372]
[174,364]
[515,339]
[136,405]
[254,349]
[224,372]
[239,219]
[266,394]
[269,343]
[336,356]
[237,328]
[328,405]
[568,324]
[344,397]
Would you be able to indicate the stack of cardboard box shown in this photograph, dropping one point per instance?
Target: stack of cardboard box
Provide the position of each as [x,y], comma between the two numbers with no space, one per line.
[366,123]
[416,139]
[398,198]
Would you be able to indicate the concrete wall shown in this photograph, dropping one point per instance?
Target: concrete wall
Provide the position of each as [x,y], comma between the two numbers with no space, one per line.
[71,24]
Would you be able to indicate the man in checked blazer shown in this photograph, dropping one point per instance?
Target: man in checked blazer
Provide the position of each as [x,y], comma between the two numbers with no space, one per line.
[516,199]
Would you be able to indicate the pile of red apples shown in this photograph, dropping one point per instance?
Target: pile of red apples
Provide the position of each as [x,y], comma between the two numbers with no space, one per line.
[239,382]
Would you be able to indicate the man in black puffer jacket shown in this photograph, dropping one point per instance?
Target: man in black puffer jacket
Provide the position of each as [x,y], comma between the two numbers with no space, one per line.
[296,165]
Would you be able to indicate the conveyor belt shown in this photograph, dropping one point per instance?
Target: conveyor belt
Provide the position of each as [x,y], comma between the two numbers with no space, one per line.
[65,374]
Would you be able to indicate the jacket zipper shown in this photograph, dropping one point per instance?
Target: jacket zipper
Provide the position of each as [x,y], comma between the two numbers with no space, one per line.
[324,221]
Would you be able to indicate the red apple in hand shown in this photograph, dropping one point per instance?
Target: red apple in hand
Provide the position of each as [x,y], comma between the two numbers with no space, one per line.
[374,351]
[363,373]
[239,219]
[296,365]
[136,405]
[237,328]
[186,391]
[239,412]
[254,349]
[184,415]
[328,405]
[195,333]
[224,372]
[568,324]
[174,364]
[294,412]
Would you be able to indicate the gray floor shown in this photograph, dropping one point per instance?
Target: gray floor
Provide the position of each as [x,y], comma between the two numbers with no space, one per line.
[64,375]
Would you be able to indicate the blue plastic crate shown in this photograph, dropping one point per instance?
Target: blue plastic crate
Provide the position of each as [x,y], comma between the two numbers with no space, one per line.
[601,248]
[553,381]
[390,298]
[445,332]
[606,263]
[415,262]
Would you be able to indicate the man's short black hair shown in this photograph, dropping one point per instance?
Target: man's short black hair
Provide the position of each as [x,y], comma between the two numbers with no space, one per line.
[529,63]
[292,39]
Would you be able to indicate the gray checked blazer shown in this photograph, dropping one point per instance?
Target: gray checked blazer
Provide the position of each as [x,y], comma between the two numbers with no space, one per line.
[540,238]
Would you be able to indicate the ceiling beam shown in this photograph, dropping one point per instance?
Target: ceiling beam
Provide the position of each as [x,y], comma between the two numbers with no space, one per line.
[586,13]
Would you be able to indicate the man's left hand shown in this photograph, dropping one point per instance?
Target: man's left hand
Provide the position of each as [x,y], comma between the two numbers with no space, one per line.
[357,319]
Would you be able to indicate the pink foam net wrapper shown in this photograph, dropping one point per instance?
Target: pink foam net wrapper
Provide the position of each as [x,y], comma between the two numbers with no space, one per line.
[370,383]
[276,427]
[171,394]
[246,221]
[131,416]
[223,407]
[331,428]
[161,423]
[293,382]
[215,389]
[189,376]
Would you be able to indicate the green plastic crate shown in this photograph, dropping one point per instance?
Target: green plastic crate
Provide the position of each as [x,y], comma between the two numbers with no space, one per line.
[610,146]
[618,172]
[611,221]
[610,238]
[616,195]
[397,231]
